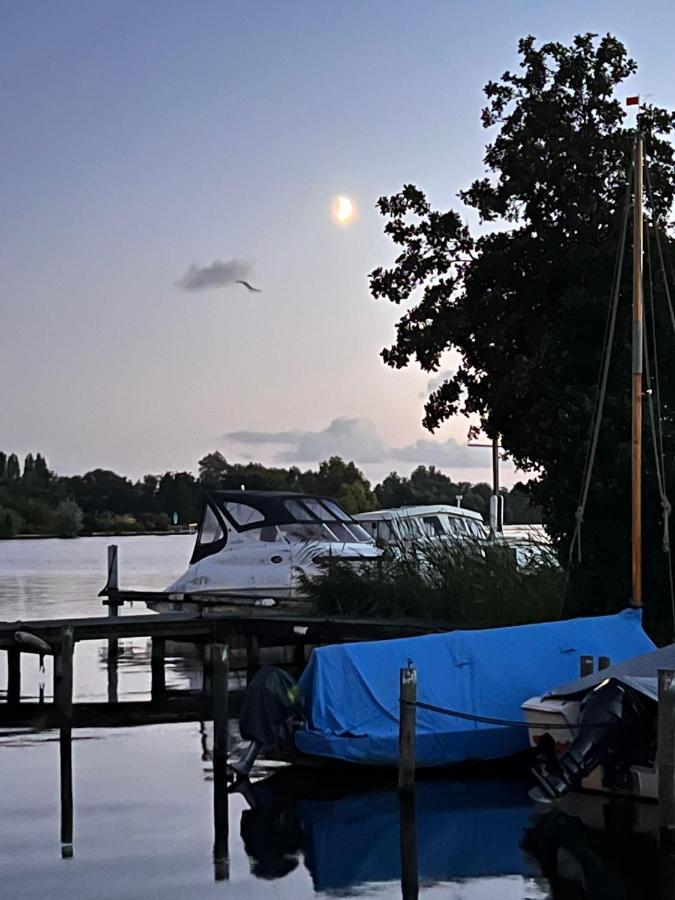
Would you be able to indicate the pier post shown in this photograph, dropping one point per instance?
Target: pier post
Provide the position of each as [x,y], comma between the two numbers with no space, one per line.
[665,755]
[252,656]
[113,582]
[157,671]
[408,845]
[220,670]
[13,676]
[112,586]
[406,729]
[63,696]
[586,665]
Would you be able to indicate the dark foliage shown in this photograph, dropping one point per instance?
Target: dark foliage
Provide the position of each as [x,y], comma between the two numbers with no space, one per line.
[525,299]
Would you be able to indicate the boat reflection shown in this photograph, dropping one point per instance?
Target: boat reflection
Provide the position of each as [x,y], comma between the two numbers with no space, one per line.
[349,833]
[592,848]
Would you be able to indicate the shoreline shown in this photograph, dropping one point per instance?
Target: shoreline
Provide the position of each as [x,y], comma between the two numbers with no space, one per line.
[88,534]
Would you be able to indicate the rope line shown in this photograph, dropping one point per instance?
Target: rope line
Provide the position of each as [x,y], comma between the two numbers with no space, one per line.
[495,720]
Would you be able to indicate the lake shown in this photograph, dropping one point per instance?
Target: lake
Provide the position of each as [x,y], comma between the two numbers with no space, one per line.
[143,797]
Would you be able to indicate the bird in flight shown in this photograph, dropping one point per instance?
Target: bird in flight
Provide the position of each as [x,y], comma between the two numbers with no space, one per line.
[248,286]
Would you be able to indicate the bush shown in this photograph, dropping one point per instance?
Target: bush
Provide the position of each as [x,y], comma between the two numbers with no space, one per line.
[11,523]
[68,519]
[468,585]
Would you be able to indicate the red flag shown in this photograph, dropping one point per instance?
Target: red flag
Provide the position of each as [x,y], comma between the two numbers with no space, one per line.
[632,101]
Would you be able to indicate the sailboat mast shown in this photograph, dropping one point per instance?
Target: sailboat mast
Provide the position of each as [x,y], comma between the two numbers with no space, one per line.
[636,438]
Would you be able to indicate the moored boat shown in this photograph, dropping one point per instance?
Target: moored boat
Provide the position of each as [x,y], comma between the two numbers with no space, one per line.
[261,544]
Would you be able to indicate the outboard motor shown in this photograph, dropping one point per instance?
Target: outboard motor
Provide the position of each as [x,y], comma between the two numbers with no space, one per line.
[615,723]
[272,706]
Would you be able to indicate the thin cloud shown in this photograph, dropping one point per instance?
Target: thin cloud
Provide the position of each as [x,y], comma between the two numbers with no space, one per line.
[218,274]
[357,439]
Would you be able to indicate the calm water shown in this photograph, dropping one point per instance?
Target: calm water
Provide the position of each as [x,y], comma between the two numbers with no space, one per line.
[144,798]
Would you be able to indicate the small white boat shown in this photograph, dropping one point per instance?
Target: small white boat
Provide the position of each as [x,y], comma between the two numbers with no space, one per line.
[418,523]
[602,728]
[259,544]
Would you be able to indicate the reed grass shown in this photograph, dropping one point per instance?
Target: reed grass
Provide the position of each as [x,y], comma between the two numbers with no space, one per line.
[463,584]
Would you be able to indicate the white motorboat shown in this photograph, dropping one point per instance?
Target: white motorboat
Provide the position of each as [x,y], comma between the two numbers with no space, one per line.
[259,544]
[407,524]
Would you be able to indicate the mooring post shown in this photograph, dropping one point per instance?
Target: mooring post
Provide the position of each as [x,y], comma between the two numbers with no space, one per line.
[406,728]
[252,656]
[586,665]
[665,755]
[157,671]
[112,587]
[14,676]
[220,670]
[63,695]
[408,842]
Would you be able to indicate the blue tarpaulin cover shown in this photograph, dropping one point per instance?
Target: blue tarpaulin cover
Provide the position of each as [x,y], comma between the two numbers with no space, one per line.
[350,691]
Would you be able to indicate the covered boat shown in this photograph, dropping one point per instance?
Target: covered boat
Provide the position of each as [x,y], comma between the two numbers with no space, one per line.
[351,692]
[261,543]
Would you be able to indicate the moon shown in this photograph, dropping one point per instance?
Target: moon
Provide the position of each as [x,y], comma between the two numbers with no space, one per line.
[343,210]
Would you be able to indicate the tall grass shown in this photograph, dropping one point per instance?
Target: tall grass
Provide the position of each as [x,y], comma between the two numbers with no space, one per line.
[463,584]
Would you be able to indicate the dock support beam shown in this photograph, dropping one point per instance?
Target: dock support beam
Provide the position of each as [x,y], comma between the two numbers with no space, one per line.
[408,844]
[112,586]
[252,656]
[665,755]
[220,670]
[406,728]
[13,676]
[63,696]
[157,671]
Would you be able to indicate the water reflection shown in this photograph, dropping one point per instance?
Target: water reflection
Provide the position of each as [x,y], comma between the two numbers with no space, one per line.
[349,835]
[594,848]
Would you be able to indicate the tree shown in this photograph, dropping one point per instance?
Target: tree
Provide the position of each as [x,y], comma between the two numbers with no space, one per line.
[213,470]
[28,468]
[10,523]
[3,466]
[13,469]
[68,519]
[525,299]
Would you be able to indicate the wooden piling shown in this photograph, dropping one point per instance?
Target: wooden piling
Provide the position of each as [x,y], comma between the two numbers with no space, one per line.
[407,727]
[157,669]
[113,582]
[13,676]
[408,845]
[220,670]
[63,696]
[252,656]
[586,665]
[665,754]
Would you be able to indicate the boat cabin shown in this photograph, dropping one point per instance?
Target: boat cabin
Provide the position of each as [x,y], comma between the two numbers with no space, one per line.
[262,542]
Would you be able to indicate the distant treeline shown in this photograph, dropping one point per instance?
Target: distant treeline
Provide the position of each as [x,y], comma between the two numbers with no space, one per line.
[35,500]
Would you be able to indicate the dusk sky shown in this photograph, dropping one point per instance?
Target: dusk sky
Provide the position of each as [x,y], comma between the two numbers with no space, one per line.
[142,138]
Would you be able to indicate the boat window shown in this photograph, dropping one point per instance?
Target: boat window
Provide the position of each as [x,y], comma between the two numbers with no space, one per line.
[243,514]
[299,511]
[318,509]
[359,532]
[306,531]
[434,526]
[336,510]
[210,529]
[348,532]
[384,532]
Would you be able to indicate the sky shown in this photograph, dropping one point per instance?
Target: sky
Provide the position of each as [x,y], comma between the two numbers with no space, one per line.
[142,138]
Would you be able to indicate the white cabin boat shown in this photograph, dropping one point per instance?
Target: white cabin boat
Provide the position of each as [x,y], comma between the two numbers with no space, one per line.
[259,544]
[418,523]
